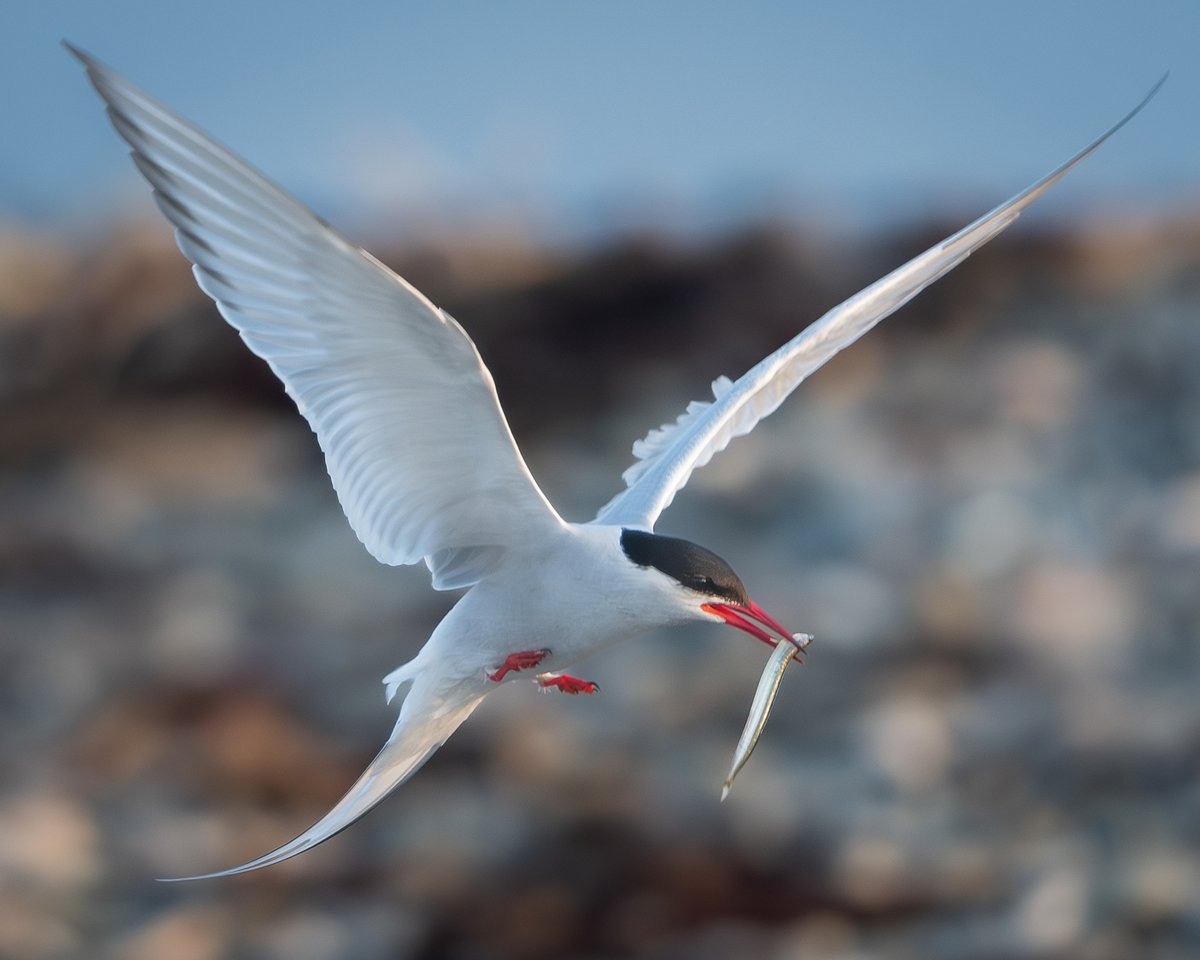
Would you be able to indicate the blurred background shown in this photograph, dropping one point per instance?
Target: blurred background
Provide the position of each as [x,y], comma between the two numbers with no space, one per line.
[988,511]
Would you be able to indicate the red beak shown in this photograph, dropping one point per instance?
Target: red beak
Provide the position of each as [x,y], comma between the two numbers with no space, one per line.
[752,618]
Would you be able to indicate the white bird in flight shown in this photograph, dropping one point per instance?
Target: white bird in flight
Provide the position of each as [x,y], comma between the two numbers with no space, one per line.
[424,463]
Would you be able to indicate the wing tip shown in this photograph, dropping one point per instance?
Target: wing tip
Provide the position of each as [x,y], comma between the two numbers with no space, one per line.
[1150,95]
[90,63]
[1157,86]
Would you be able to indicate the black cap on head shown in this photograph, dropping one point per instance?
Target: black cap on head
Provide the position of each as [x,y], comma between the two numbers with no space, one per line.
[693,566]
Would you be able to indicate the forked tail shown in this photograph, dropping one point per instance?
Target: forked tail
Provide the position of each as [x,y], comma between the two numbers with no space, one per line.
[426,720]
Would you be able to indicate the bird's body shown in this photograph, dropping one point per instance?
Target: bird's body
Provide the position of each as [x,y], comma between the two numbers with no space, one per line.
[422,458]
[558,607]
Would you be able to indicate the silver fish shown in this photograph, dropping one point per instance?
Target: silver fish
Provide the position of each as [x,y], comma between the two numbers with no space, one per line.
[760,706]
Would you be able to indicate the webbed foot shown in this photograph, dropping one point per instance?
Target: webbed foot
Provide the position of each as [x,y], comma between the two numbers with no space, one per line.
[525,660]
[571,685]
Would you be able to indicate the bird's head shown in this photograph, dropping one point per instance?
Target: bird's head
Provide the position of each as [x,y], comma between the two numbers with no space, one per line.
[710,588]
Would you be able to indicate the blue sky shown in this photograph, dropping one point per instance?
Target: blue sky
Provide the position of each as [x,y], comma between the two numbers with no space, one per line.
[584,114]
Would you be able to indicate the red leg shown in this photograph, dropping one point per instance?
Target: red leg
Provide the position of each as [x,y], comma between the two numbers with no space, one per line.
[572,685]
[524,660]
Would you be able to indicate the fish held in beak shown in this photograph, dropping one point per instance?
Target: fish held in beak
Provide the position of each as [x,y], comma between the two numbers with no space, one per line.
[764,697]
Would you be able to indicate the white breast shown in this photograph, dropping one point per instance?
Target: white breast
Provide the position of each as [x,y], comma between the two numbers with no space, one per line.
[577,596]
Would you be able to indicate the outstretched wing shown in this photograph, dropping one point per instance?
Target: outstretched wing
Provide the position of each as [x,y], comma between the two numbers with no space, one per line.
[667,456]
[416,444]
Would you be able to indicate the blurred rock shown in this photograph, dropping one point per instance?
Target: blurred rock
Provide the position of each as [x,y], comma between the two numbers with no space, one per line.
[987,512]
[187,933]
[1076,616]
[1052,916]
[50,841]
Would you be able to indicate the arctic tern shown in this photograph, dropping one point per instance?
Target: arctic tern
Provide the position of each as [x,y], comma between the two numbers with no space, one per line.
[423,461]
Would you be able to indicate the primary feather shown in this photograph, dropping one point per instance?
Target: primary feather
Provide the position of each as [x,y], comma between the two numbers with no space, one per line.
[403,407]
[667,456]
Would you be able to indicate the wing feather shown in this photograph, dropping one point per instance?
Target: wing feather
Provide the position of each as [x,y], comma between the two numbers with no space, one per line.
[427,718]
[416,444]
[667,456]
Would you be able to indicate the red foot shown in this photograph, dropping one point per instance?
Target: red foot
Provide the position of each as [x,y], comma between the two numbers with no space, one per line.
[571,685]
[524,660]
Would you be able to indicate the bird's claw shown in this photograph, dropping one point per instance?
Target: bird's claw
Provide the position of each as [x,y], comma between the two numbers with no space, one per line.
[571,685]
[524,660]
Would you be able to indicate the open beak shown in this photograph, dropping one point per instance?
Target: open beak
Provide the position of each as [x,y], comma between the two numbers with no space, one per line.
[755,621]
